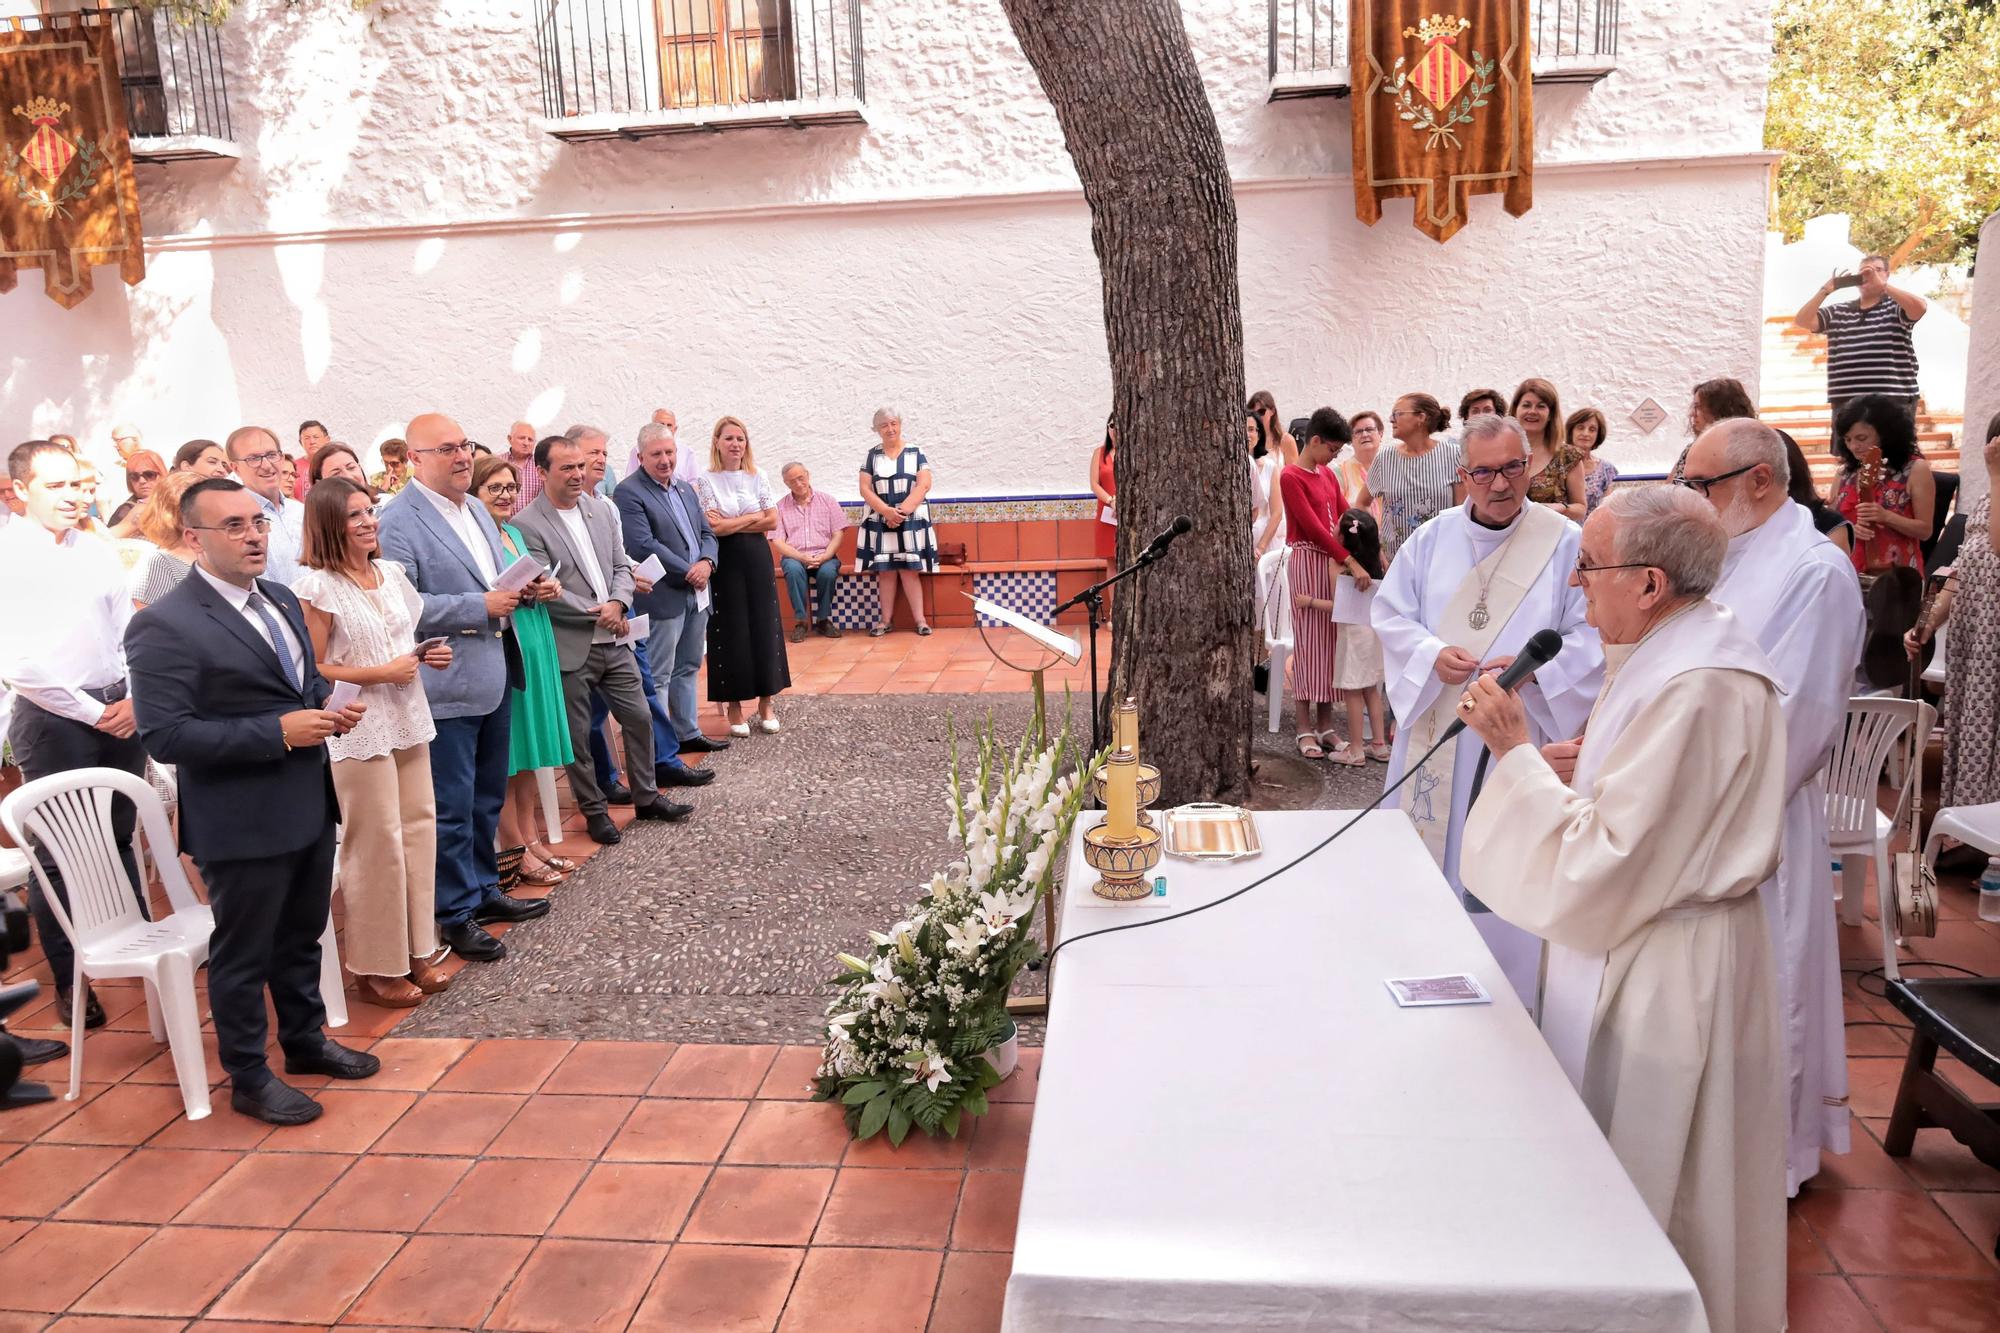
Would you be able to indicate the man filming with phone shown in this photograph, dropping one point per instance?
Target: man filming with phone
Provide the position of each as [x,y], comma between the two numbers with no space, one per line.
[1868,342]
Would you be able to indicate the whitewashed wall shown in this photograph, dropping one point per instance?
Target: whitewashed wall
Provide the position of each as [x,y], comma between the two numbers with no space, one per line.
[400,235]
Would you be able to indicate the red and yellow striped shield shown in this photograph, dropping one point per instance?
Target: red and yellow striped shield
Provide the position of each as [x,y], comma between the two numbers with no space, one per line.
[47,151]
[1440,72]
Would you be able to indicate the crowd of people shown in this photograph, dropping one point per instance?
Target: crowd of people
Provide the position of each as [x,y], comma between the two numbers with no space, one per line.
[403,654]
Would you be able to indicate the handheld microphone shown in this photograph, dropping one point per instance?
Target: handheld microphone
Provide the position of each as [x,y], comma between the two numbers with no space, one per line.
[1178,527]
[1535,654]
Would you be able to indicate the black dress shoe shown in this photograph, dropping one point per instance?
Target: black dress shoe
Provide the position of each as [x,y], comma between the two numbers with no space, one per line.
[618,794]
[601,830]
[36,1050]
[662,808]
[93,1012]
[274,1103]
[333,1060]
[471,943]
[702,745]
[505,908]
[681,775]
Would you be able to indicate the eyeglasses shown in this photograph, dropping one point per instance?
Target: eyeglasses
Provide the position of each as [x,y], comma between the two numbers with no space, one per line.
[142,476]
[368,515]
[504,488]
[1703,485]
[236,529]
[449,450]
[1582,569]
[261,461]
[1485,475]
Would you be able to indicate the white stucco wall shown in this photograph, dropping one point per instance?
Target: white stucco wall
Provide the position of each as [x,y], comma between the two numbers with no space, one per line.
[401,235]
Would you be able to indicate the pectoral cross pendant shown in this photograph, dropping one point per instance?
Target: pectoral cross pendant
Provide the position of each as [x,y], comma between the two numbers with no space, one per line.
[1478,618]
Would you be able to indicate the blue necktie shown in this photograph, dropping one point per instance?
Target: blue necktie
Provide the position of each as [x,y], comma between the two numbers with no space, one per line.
[263,610]
[677,508]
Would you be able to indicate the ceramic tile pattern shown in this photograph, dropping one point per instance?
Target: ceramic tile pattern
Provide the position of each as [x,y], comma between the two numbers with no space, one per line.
[545,1184]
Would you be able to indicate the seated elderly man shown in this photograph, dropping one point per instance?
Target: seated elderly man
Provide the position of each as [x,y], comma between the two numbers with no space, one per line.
[807,540]
[1640,866]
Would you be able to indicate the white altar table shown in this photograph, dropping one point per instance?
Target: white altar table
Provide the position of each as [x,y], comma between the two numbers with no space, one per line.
[1237,1128]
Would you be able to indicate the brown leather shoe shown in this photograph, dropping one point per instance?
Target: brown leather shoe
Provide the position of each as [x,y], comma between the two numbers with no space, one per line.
[390,992]
[427,978]
[798,634]
[828,629]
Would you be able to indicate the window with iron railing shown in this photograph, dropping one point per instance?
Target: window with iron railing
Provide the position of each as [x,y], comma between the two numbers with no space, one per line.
[1576,41]
[619,68]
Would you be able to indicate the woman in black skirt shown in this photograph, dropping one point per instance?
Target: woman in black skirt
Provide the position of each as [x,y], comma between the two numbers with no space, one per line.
[746,641]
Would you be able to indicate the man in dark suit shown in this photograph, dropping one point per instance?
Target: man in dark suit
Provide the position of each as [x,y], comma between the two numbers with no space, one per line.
[661,516]
[224,686]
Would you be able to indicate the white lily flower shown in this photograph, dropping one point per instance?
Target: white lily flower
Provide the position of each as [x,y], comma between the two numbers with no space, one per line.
[967,938]
[842,1028]
[930,1071]
[889,992]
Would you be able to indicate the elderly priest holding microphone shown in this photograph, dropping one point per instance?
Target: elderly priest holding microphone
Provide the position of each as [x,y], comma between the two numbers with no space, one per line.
[1462,597]
[1641,869]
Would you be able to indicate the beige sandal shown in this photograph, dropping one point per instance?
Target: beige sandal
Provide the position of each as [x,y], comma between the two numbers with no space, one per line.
[1348,756]
[1309,746]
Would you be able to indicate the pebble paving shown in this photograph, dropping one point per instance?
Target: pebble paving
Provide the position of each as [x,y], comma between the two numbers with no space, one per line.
[723,928]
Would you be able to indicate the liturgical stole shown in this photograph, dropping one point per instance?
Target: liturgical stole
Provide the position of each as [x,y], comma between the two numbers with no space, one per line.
[1499,583]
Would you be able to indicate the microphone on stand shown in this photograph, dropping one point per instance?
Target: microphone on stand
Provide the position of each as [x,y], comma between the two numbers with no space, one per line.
[1158,547]
[1534,655]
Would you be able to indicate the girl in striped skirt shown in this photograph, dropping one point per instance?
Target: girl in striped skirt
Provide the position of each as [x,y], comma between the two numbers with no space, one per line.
[1313,506]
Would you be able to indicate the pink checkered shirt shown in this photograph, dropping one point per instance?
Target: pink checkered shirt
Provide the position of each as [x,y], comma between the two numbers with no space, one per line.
[812,527]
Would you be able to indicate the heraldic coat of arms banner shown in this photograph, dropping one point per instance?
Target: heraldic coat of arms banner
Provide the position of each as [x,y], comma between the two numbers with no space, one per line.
[1443,109]
[68,200]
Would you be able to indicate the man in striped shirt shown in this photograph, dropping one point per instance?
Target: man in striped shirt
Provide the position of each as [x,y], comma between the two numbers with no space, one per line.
[1867,340]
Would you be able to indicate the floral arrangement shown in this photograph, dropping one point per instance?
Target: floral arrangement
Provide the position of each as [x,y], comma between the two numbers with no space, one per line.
[911,1025]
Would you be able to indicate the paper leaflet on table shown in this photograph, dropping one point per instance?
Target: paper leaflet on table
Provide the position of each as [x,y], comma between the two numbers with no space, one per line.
[518,575]
[1071,650]
[1452,988]
[1351,605]
[651,569]
[636,629]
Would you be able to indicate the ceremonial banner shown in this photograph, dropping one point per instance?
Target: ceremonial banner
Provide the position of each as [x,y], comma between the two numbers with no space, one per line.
[68,200]
[1442,108]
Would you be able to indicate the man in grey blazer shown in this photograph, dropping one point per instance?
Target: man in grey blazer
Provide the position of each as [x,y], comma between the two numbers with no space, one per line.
[663,517]
[446,542]
[577,535]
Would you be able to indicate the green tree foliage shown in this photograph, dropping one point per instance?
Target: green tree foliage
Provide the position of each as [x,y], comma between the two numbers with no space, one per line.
[1889,111]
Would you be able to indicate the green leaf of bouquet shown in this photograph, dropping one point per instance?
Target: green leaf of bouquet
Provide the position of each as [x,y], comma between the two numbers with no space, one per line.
[862,1092]
[899,1124]
[874,1116]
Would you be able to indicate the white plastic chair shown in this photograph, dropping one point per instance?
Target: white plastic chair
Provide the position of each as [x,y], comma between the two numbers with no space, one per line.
[545,788]
[1274,602]
[1856,824]
[69,814]
[1934,673]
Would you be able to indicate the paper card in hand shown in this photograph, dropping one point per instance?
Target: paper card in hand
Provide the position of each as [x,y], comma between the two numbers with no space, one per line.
[518,575]
[652,569]
[344,693]
[636,629]
[1351,606]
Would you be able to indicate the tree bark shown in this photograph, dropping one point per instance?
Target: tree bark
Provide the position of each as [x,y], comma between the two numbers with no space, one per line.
[1136,119]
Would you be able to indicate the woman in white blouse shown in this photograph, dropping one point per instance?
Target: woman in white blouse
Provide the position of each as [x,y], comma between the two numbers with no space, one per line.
[746,640]
[362,614]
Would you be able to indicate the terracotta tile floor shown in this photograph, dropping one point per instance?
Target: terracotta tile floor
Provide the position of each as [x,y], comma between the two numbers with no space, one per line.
[536,1184]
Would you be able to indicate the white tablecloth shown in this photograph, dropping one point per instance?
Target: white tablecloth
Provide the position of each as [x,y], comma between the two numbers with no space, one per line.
[1237,1128]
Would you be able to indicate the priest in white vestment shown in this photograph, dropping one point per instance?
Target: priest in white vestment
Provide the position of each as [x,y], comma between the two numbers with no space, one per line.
[1798,596]
[1642,871]
[1467,590]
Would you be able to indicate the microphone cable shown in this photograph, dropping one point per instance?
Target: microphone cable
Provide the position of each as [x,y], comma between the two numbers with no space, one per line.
[1296,861]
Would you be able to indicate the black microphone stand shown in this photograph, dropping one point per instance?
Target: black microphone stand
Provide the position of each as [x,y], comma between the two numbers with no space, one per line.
[1093,598]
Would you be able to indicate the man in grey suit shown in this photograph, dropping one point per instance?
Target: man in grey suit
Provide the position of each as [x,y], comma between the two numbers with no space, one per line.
[663,517]
[446,542]
[577,535]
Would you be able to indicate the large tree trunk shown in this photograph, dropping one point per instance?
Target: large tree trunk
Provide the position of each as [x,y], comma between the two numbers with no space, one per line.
[1136,119]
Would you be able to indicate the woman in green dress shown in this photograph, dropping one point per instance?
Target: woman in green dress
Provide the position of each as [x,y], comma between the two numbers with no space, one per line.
[538,736]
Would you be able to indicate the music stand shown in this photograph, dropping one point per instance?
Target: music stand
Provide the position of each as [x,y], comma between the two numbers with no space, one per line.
[1064,649]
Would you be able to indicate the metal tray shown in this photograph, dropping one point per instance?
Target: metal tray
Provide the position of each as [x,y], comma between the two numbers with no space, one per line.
[1204,831]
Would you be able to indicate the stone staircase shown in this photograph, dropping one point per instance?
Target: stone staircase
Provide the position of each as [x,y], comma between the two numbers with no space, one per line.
[1794,401]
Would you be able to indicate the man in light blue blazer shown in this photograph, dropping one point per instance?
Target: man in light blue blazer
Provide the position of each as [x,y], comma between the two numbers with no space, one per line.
[447,543]
[662,517]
